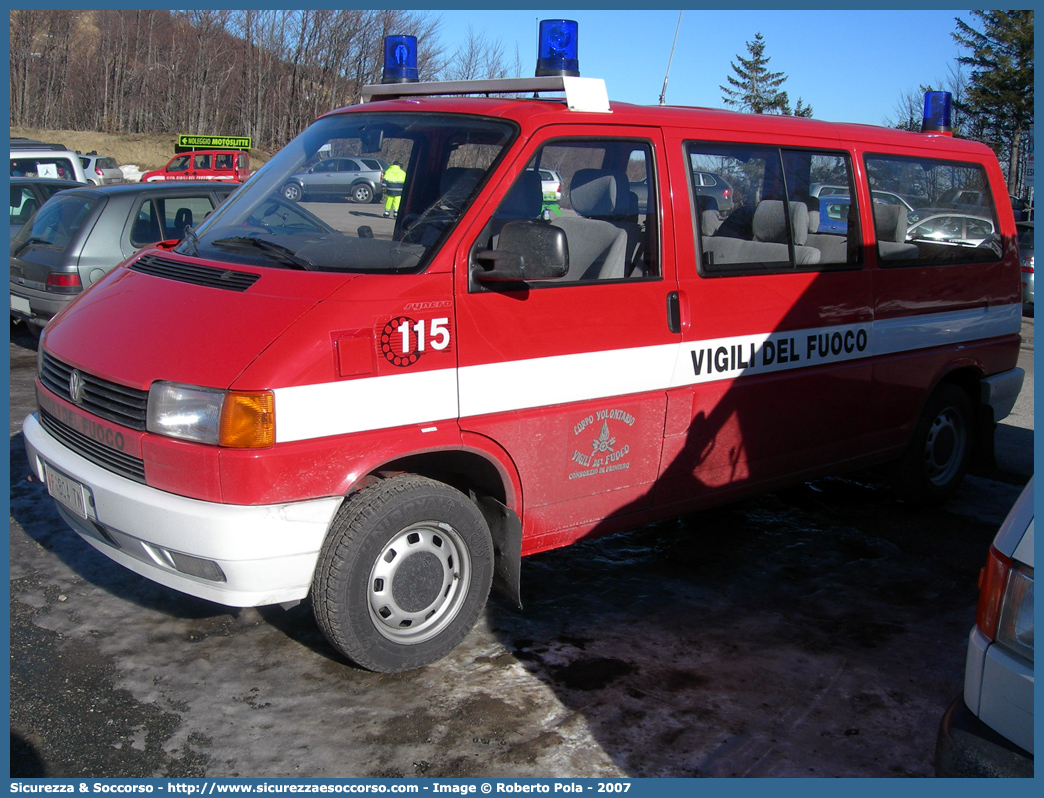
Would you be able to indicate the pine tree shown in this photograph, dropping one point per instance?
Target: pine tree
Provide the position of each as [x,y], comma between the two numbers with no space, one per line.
[754,88]
[999,98]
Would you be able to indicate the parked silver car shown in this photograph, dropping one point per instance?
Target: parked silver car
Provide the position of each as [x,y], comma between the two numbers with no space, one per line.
[948,227]
[101,170]
[81,233]
[354,178]
[988,731]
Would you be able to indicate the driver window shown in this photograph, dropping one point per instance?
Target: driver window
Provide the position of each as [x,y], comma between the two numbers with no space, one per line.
[178,164]
[602,195]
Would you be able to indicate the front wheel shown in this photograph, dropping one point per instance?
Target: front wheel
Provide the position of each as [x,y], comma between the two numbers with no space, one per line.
[403,574]
[362,194]
[938,457]
[293,192]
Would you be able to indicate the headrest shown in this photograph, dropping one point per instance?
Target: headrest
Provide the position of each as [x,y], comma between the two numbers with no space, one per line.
[889,222]
[770,222]
[812,203]
[602,193]
[710,221]
[525,199]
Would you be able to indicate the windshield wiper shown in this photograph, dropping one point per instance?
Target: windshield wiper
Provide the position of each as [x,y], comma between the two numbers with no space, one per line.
[29,242]
[280,253]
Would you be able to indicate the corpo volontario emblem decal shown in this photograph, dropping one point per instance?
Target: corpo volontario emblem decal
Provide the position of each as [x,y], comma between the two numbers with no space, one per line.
[76,387]
[606,453]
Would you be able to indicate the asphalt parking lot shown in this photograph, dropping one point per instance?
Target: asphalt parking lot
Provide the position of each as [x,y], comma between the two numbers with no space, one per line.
[816,631]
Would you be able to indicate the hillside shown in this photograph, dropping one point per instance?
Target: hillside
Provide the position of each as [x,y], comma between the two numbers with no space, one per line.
[145,151]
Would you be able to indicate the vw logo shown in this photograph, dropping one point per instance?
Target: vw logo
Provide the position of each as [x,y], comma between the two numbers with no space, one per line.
[76,387]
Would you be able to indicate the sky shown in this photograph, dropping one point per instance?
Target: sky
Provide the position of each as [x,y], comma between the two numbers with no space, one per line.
[850,66]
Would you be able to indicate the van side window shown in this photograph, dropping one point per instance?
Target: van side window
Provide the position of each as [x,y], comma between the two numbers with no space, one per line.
[763,209]
[930,211]
[201,162]
[601,193]
[223,161]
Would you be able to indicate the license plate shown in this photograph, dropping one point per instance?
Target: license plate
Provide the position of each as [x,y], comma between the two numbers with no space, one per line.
[67,491]
[20,304]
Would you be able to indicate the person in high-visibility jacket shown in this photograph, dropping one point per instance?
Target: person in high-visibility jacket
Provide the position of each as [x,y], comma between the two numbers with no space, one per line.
[394,177]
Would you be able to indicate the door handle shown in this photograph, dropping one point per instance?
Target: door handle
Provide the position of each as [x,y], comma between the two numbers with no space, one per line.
[673,312]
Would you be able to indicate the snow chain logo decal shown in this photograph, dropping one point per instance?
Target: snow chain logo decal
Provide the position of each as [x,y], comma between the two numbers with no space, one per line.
[403,340]
[602,453]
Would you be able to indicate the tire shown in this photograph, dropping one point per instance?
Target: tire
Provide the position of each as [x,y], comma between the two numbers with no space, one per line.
[293,192]
[362,194]
[934,465]
[403,574]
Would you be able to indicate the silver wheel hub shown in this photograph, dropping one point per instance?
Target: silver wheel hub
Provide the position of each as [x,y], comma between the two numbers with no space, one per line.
[944,449]
[418,582]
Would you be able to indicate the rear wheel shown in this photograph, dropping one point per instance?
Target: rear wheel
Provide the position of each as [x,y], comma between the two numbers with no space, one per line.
[362,193]
[934,465]
[403,574]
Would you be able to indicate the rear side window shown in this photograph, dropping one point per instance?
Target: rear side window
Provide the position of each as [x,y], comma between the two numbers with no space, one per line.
[23,204]
[766,209]
[165,218]
[945,212]
[60,168]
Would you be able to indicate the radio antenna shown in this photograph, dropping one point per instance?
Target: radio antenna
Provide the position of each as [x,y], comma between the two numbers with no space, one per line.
[665,77]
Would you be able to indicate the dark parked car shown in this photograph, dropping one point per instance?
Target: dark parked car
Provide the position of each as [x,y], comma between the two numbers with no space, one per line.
[355,178]
[705,184]
[1025,240]
[29,193]
[81,233]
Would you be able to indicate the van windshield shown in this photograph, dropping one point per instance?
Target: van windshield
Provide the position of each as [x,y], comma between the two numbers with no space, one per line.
[357,192]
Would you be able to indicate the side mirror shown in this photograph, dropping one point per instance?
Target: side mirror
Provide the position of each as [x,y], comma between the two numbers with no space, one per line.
[526,251]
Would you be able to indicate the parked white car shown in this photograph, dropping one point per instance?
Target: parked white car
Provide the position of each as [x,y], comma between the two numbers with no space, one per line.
[30,158]
[988,731]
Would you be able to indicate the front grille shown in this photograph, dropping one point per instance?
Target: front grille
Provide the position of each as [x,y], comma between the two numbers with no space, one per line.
[194,273]
[116,403]
[110,459]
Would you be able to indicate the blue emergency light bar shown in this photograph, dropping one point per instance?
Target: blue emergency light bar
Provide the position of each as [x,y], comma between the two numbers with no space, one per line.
[557,49]
[400,59]
[936,119]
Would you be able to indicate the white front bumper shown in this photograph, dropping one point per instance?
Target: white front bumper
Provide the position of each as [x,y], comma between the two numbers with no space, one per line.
[266,553]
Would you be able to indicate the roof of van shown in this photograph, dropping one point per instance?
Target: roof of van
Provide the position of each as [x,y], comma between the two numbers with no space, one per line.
[711,123]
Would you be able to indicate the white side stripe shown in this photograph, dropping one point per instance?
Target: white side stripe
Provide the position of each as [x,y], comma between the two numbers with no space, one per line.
[518,384]
[336,408]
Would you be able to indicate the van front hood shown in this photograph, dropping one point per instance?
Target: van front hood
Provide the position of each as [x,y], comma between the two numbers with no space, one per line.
[134,328]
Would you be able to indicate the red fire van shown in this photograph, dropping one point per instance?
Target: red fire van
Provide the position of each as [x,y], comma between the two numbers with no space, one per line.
[223,165]
[386,415]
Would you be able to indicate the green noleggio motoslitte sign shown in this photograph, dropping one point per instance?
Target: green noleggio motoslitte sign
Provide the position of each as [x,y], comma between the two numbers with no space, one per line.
[188,142]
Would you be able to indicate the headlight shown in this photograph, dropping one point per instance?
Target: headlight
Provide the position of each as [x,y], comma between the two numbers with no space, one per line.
[208,415]
[1015,627]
